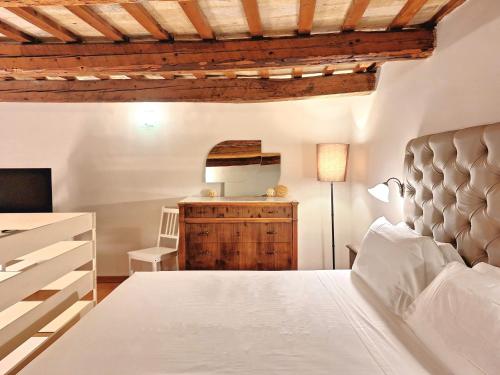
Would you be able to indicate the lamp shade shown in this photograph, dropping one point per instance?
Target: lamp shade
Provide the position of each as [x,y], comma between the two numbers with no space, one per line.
[332,161]
[381,192]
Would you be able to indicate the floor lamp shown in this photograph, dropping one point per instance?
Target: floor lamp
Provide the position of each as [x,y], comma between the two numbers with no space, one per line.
[332,167]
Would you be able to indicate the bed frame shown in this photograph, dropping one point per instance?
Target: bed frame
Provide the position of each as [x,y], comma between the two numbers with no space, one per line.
[48,281]
[453,190]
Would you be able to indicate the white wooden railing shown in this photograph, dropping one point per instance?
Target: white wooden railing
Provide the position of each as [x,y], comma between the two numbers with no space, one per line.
[47,281]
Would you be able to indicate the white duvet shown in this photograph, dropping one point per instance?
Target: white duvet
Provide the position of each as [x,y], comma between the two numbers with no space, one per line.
[306,322]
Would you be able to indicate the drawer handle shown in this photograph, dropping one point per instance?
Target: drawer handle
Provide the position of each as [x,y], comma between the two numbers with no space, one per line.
[204,252]
[230,252]
[270,252]
[271,212]
[271,232]
[204,233]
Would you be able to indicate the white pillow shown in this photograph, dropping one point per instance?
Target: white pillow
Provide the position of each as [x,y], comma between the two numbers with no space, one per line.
[449,252]
[458,318]
[397,264]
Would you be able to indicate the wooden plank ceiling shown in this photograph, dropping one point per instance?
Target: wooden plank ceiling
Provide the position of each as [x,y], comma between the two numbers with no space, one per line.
[206,50]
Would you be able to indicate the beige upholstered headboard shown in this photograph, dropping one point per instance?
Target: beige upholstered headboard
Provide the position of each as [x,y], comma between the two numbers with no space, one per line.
[453,190]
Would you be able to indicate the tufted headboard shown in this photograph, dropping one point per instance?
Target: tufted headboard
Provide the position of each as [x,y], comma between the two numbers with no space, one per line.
[452,190]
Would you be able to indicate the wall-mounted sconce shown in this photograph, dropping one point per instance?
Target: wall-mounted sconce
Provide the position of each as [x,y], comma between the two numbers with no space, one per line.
[381,191]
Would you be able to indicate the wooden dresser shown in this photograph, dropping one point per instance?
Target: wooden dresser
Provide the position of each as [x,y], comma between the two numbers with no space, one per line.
[220,234]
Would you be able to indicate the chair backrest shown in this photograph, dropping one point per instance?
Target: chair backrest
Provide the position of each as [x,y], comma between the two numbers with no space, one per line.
[169,225]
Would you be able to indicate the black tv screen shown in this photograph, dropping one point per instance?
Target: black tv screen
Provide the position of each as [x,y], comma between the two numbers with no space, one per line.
[25,190]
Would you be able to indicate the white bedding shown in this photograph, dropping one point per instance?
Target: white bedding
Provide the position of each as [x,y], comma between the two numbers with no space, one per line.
[458,316]
[306,322]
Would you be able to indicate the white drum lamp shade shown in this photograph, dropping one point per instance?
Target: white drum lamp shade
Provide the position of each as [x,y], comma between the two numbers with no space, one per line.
[332,161]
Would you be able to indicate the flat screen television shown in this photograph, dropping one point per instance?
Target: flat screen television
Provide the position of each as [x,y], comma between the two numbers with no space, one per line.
[25,190]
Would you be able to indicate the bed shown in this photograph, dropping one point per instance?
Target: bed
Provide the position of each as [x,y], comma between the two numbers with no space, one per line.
[305,322]
[248,322]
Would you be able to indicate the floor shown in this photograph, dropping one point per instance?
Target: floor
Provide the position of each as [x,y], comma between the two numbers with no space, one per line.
[103,289]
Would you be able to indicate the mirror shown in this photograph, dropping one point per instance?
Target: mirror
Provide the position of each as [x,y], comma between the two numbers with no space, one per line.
[242,168]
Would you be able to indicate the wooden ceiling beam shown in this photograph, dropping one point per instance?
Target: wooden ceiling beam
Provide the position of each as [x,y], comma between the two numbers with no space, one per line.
[328,70]
[306,16]
[184,90]
[406,14]
[445,10]
[33,3]
[264,73]
[97,22]
[137,76]
[146,20]
[193,12]
[43,22]
[358,69]
[252,14]
[354,14]
[15,34]
[142,58]
[297,72]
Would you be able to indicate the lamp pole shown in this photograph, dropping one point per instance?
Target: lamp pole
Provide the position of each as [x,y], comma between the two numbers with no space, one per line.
[333,225]
[332,167]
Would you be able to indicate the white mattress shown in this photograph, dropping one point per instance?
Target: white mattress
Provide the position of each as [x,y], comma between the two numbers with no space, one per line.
[306,322]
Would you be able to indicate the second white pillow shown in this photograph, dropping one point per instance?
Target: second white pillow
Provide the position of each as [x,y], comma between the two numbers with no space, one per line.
[449,252]
[458,318]
[396,264]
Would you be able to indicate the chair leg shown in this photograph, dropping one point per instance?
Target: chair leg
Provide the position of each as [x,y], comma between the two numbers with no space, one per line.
[130,271]
[155,266]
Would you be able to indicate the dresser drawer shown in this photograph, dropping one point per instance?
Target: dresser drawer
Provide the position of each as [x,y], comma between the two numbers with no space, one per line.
[200,233]
[274,256]
[247,253]
[262,232]
[201,211]
[269,211]
[202,256]
[207,233]
[229,257]
[234,211]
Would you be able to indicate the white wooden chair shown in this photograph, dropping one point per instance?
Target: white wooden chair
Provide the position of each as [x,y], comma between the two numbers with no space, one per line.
[169,230]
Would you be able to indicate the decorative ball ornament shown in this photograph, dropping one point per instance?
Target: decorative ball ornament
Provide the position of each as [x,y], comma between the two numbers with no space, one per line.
[281,191]
[270,192]
[211,193]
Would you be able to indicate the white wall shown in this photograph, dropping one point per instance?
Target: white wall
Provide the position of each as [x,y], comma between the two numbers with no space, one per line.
[105,162]
[458,87]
